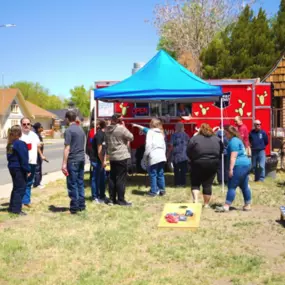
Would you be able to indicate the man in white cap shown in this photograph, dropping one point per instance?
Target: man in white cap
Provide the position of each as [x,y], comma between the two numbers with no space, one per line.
[258,140]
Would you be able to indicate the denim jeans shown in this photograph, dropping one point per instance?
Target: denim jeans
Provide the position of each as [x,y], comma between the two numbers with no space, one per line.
[19,187]
[157,181]
[98,181]
[258,164]
[240,179]
[38,172]
[180,170]
[27,197]
[75,186]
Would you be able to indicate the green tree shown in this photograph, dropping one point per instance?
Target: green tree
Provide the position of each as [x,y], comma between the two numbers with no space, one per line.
[262,49]
[80,97]
[38,95]
[244,50]
[279,28]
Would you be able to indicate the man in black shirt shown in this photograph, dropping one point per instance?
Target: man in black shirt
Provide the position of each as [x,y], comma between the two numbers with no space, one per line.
[98,162]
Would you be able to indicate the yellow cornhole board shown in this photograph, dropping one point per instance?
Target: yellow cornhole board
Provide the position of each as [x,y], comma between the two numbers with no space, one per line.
[192,223]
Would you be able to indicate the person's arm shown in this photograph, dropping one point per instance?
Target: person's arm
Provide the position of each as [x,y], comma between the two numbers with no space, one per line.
[99,141]
[250,138]
[148,144]
[41,153]
[265,137]
[232,162]
[190,148]
[128,136]
[23,155]
[101,156]
[67,142]
[170,147]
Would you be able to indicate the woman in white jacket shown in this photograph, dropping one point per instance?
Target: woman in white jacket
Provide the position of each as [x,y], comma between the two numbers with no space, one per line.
[155,156]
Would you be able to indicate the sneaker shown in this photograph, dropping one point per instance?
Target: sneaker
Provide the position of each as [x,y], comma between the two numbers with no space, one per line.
[162,193]
[246,208]
[41,186]
[222,209]
[206,206]
[152,195]
[98,201]
[22,213]
[125,203]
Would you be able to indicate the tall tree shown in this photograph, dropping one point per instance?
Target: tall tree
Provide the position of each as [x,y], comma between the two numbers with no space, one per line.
[244,50]
[279,28]
[80,97]
[38,95]
[188,26]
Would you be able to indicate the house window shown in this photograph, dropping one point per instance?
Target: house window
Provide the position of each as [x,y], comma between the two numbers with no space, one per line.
[14,122]
[14,107]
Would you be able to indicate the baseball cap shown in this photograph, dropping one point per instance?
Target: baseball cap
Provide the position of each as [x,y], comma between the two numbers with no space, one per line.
[257,122]
[37,126]
[116,117]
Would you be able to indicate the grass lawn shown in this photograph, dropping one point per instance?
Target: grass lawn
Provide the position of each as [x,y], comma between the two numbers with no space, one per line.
[117,245]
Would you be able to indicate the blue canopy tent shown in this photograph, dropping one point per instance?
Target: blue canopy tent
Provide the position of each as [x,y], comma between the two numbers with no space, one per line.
[161,79]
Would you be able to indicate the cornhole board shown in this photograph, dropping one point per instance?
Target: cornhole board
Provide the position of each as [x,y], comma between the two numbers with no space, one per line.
[282,209]
[192,223]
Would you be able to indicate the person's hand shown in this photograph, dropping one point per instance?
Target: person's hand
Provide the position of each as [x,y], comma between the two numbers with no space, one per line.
[44,158]
[64,169]
[104,164]
[29,174]
[231,173]
[134,125]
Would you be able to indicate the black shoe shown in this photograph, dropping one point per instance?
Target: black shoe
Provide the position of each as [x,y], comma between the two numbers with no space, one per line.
[162,193]
[108,201]
[125,203]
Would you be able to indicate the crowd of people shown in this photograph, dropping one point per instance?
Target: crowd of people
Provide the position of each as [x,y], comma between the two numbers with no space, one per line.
[109,151]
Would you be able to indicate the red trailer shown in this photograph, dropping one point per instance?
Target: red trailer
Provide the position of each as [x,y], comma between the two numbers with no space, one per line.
[248,99]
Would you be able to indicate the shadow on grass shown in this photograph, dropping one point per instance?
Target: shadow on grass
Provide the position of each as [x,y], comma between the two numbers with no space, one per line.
[281,222]
[5,204]
[139,192]
[215,205]
[56,209]
[4,210]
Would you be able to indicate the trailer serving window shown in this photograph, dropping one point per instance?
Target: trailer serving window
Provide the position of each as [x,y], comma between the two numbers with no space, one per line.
[155,109]
[183,109]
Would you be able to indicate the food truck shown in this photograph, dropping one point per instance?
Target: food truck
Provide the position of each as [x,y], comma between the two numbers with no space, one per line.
[249,99]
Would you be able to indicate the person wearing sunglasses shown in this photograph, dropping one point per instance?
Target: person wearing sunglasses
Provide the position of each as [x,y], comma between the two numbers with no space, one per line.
[34,144]
[258,140]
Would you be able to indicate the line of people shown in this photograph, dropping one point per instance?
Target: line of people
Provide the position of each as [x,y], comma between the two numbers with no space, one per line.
[204,152]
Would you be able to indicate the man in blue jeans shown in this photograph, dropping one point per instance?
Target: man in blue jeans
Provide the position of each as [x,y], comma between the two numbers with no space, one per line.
[98,162]
[73,163]
[258,140]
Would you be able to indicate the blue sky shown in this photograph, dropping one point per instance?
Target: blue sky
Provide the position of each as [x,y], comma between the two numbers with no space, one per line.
[64,43]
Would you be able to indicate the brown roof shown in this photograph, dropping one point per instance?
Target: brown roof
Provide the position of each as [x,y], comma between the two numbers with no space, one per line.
[38,111]
[7,96]
[277,76]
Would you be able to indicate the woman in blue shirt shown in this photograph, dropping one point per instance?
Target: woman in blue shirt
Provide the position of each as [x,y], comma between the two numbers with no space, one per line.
[239,168]
[18,164]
